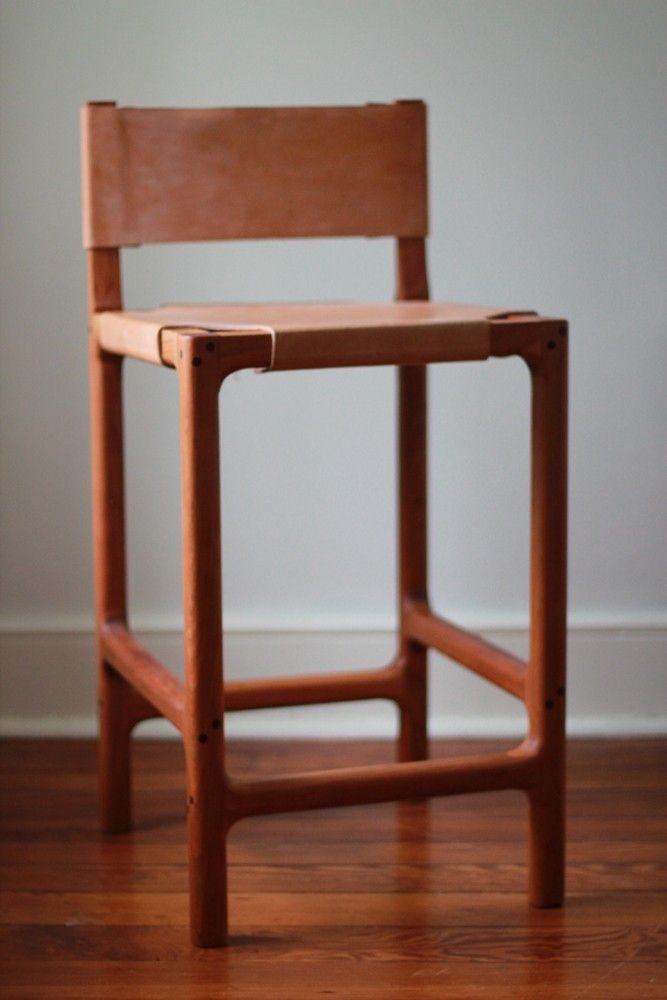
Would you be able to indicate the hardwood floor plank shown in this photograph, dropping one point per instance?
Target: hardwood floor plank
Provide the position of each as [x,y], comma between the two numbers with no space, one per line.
[309,944]
[388,902]
[299,909]
[413,980]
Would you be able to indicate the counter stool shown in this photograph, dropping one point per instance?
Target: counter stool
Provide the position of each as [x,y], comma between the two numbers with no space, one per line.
[176,175]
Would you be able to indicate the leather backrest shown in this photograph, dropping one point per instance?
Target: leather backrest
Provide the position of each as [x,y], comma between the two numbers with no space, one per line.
[154,175]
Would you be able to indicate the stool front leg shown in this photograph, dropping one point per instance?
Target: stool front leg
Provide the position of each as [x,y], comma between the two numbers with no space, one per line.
[546,672]
[199,381]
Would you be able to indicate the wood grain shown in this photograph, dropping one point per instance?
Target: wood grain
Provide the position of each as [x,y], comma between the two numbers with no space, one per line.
[546,675]
[308,334]
[412,292]
[155,175]
[391,902]
[495,664]
[203,737]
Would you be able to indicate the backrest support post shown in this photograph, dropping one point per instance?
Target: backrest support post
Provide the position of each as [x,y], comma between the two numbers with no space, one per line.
[411,268]
[104,280]
[102,263]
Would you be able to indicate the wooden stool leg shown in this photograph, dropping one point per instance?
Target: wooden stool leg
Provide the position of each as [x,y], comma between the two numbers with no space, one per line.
[413,740]
[115,761]
[203,729]
[114,693]
[546,676]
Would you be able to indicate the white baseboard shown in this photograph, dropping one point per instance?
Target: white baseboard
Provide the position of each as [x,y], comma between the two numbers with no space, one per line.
[617,683]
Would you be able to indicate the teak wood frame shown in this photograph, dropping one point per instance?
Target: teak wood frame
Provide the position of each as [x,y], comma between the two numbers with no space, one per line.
[134,685]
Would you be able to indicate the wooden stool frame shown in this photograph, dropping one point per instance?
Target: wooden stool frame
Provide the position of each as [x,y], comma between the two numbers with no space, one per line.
[134,685]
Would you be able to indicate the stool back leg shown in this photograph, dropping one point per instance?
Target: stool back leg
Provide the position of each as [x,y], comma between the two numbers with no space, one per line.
[412,284]
[116,701]
[413,742]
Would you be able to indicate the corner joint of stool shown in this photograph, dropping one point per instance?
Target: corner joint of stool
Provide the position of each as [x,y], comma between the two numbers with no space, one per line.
[215,353]
[532,338]
[193,353]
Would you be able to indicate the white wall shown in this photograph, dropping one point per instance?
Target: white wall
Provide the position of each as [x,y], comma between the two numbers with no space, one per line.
[548,158]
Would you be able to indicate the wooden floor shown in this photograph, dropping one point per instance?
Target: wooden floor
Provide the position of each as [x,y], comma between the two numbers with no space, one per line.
[417,900]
